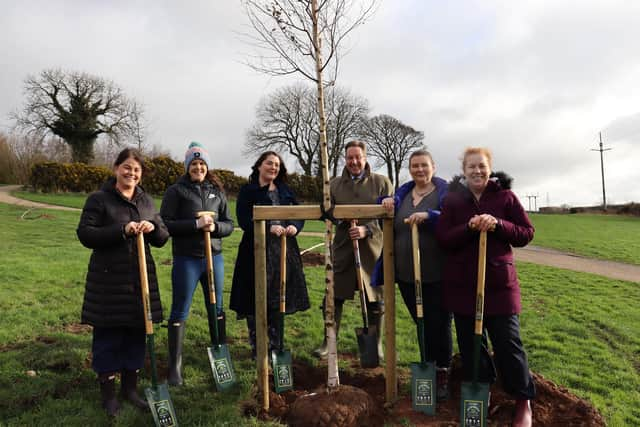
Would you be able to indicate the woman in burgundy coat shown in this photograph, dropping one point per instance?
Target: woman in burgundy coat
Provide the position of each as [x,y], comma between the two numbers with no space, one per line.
[482,201]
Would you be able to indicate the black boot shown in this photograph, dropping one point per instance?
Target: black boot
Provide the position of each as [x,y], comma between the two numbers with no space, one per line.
[442,384]
[176,338]
[322,351]
[222,328]
[108,393]
[376,319]
[129,389]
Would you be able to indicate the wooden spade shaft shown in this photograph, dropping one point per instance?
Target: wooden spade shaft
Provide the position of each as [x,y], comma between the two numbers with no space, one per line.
[209,256]
[359,275]
[482,266]
[146,306]
[417,277]
[283,287]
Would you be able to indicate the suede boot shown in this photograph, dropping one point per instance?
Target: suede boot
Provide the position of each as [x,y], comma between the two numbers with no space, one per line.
[176,339]
[523,414]
[108,393]
[322,351]
[129,389]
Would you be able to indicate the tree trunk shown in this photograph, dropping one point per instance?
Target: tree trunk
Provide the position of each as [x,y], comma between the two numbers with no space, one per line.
[333,380]
[81,149]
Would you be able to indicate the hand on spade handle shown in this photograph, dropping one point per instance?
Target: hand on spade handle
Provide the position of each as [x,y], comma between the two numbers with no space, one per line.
[205,221]
[133,228]
[483,222]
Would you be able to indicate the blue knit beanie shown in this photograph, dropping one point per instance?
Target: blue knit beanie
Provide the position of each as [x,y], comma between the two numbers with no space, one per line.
[196,151]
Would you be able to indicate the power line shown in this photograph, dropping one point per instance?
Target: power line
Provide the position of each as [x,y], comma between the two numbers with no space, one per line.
[601,150]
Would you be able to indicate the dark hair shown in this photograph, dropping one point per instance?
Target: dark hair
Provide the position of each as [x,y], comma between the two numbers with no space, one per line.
[214,179]
[420,152]
[129,152]
[282,173]
[356,143]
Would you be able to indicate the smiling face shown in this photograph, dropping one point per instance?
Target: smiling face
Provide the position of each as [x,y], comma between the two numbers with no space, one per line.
[355,160]
[128,174]
[197,170]
[269,169]
[476,169]
[421,168]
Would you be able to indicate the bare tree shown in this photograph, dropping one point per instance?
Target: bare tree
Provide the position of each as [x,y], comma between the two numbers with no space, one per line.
[307,37]
[287,120]
[345,115]
[138,126]
[77,107]
[390,141]
[20,152]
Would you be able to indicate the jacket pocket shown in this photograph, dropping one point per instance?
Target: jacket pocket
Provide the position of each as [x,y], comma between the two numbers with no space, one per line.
[500,273]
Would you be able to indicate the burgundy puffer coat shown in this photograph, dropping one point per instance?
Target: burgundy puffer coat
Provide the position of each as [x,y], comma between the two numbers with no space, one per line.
[502,289]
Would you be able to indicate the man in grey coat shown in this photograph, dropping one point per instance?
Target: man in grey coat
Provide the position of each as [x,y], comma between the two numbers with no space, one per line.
[357,185]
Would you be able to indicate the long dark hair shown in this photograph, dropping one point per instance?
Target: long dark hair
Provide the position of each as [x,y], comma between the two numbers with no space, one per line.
[214,179]
[282,173]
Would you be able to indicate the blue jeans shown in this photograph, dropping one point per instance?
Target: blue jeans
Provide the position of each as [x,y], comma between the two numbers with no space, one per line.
[186,273]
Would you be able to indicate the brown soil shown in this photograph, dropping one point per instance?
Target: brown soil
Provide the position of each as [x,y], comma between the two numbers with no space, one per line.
[554,405]
[312,259]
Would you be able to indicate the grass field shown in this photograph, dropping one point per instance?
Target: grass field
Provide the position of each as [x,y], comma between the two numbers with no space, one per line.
[580,330]
[600,236]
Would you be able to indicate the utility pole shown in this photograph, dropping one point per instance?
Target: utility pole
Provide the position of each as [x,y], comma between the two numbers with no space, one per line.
[535,201]
[601,150]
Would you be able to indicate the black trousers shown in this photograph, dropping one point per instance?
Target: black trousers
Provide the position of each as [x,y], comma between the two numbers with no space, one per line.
[509,355]
[437,321]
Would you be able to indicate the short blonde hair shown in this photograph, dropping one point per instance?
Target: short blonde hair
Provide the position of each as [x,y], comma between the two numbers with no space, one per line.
[476,150]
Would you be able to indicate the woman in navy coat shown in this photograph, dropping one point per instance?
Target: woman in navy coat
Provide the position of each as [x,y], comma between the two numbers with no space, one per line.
[267,186]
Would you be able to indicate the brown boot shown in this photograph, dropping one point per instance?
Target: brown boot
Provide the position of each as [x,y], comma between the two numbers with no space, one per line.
[523,415]
[129,389]
[108,393]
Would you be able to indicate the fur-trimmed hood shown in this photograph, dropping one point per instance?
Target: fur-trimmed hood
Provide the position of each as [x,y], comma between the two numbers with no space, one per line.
[500,179]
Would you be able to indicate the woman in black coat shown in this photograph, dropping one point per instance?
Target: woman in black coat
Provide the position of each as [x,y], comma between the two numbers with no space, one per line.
[196,191]
[267,186]
[111,219]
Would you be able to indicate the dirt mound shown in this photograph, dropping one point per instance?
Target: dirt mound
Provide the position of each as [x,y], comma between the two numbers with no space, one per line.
[554,405]
[312,259]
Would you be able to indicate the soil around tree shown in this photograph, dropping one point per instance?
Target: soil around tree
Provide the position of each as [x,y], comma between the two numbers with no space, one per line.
[554,405]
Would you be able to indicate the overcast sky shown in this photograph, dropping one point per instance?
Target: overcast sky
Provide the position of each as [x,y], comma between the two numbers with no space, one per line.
[535,81]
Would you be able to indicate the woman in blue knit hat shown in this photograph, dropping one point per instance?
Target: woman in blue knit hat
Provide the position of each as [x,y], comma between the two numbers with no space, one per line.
[197,190]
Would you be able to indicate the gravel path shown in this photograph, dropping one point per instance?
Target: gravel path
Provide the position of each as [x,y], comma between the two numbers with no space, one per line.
[534,254]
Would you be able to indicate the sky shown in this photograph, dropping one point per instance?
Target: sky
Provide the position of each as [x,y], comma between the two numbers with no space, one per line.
[534,81]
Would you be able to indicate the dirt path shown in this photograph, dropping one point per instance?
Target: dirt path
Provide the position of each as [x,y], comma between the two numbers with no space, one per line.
[6,197]
[534,254]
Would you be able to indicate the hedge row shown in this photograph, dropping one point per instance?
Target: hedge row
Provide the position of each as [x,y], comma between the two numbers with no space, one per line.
[160,172]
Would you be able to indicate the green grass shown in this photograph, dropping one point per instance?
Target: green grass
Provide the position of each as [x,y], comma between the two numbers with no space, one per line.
[581,331]
[608,237]
[611,237]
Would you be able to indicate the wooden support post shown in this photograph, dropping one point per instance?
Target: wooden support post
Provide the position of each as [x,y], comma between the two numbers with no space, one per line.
[260,253]
[391,381]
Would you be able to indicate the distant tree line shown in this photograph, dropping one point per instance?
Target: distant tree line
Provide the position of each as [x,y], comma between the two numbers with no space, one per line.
[287,122]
